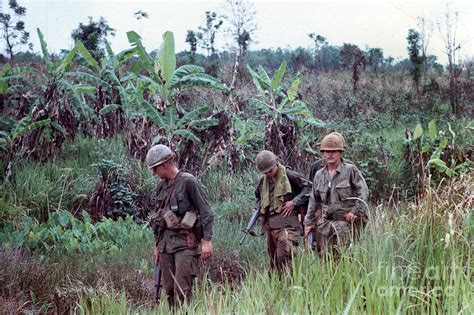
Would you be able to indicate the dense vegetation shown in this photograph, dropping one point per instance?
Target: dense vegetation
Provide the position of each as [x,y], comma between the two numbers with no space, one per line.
[75,194]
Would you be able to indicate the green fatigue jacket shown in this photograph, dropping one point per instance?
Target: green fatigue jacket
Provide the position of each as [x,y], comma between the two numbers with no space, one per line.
[190,196]
[300,187]
[346,192]
[315,167]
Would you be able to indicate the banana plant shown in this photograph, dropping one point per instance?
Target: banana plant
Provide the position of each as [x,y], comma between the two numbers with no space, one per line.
[60,102]
[440,149]
[105,84]
[277,100]
[163,77]
[10,75]
[173,128]
[11,134]
[157,83]
[284,113]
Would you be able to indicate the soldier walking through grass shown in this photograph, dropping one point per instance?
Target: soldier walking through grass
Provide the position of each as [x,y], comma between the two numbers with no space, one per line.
[182,224]
[281,194]
[337,208]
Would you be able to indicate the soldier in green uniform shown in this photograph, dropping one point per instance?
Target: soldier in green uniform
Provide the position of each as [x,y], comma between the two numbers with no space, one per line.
[281,194]
[182,225]
[337,208]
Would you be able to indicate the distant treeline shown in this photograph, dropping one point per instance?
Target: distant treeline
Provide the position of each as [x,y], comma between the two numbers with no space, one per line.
[327,59]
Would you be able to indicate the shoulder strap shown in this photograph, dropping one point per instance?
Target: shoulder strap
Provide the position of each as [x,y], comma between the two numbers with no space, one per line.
[169,193]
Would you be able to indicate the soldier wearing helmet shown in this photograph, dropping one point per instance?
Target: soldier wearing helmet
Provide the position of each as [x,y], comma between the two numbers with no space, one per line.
[320,163]
[182,224]
[338,203]
[281,194]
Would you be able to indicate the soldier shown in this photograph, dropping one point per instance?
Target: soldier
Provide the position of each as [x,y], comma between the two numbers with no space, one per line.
[281,194]
[183,222]
[337,206]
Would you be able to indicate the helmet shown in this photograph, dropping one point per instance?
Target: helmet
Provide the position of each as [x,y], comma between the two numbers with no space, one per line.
[332,142]
[339,135]
[157,155]
[265,161]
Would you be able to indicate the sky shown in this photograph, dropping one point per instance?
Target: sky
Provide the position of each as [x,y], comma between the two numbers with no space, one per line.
[286,24]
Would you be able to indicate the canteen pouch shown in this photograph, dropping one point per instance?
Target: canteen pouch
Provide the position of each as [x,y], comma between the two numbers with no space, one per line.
[189,220]
[172,221]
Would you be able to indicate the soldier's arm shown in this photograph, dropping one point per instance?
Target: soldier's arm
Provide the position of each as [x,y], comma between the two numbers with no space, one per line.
[198,195]
[301,184]
[362,192]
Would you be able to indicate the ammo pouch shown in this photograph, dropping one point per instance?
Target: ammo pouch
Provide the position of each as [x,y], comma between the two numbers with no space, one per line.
[188,220]
[172,221]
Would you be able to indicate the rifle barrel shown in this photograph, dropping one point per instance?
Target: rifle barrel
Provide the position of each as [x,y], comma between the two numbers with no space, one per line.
[253,220]
[157,284]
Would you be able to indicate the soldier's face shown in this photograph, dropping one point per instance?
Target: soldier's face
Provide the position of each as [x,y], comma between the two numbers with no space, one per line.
[159,171]
[332,157]
[272,172]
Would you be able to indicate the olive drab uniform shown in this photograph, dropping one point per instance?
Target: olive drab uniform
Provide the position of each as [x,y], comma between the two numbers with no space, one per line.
[282,233]
[184,219]
[346,192]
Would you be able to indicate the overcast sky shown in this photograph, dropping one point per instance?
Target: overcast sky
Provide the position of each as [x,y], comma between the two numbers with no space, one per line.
[380,23]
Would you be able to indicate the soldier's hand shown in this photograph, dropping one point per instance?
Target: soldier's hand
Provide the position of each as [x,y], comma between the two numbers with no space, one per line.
[206,249]
[156,254]
[308,229]
[351,217]
[288,208]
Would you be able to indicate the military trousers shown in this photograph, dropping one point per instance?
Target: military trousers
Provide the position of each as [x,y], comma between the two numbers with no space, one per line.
[281,244]
[331,235]
[178,272]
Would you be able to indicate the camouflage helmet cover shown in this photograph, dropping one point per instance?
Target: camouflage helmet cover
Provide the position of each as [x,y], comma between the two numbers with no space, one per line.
[157,155]
[265,161]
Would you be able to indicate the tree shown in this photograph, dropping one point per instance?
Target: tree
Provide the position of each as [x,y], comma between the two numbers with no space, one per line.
[93,36]
[191,39]
[141,14]
[353,57]
[448,31]
[13,28]
[240,16]
[319,42]
[207,33]
[375,59]
[414,54]
[425,29]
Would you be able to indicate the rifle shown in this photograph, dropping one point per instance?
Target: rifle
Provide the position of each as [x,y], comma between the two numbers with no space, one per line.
[157,284]
[248,229]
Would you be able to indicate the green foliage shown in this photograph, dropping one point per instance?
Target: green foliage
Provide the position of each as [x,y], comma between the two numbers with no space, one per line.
[123,197]
[441,146]
[93,35]
[19,129]
[414,53]
[277,101]
[62,231]
[13,75]
[164,78]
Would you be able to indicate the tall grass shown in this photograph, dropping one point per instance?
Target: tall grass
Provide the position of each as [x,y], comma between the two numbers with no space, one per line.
[39,188]
[417,261]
